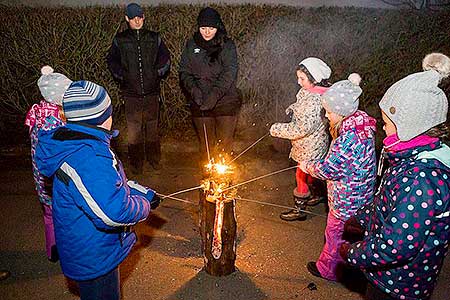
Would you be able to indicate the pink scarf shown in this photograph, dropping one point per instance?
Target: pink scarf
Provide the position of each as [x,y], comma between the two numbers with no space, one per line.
[317,89]
[393,144]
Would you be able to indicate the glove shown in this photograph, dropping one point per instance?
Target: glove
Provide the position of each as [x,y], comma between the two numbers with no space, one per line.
[156,200]
[289,110]
[343,250]
[353,231]
[197,96]
[210,102]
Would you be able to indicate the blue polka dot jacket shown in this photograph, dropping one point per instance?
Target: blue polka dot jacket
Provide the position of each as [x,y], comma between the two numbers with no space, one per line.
[407,225]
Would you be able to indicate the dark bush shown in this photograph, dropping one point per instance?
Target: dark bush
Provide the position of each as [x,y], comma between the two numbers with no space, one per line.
[381,45]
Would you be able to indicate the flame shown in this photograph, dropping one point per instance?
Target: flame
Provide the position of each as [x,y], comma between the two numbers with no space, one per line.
[219,168]
[219,178]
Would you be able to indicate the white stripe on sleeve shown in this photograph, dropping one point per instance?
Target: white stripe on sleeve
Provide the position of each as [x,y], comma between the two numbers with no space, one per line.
[72,173]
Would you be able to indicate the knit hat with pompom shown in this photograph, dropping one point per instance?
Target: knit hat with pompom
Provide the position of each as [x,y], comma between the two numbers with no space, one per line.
[342,98]
[415,103]
[53,85]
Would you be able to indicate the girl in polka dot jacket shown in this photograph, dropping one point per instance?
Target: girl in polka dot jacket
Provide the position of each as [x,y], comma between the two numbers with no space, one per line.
[406,230]
[349,168]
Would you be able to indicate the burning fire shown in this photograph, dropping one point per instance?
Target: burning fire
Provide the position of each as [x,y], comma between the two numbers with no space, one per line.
[219,178]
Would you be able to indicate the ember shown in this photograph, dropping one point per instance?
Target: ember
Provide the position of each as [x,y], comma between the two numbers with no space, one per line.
[217,218]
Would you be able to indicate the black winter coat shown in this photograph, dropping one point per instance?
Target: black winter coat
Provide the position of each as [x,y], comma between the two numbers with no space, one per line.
[210,83]
[138,59]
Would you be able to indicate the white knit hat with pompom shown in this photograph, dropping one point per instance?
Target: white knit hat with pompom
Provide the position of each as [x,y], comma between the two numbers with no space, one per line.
[53,85]
[342,97]
[415,103]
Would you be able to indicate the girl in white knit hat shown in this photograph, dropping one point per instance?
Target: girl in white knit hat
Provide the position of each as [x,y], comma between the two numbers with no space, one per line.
[405,233]
[306,130]
[45,115]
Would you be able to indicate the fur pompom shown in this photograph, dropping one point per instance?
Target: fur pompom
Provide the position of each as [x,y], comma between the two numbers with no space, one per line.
[46,70]
[354,78]
[438,62]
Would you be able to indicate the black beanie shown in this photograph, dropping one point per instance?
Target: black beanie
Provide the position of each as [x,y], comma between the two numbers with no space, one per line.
[209,17]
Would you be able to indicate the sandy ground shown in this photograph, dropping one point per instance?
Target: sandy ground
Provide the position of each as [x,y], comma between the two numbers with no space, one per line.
[167,262]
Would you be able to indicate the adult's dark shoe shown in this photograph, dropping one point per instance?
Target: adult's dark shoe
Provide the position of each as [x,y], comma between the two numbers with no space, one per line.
[156,165]
[136,170]
[293,215]
[4,274]
[312,268]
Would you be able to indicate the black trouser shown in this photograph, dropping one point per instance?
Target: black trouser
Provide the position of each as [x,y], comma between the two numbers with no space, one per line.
[142,114]
[373,293]
[105,287]
[220,133]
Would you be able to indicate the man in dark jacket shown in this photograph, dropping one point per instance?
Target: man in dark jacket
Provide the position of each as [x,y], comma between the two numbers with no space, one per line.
[138,60]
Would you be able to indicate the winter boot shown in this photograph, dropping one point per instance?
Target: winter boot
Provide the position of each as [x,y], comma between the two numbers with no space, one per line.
[136,158]
[153,154]
[297,213]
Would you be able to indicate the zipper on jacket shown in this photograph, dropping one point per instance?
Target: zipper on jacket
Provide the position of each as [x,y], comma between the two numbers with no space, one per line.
[141,75]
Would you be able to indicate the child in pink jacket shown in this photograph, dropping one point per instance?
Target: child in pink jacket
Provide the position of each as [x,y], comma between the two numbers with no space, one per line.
[349,168]
[46,115]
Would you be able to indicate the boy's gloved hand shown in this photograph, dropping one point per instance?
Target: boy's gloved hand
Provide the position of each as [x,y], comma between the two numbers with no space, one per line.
[353,231]
[156,200]
[197,96]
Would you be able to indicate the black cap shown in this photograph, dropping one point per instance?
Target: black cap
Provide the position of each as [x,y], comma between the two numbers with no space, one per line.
[209,17]
[134,10]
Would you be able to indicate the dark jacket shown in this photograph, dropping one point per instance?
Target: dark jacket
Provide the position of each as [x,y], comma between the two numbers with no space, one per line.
[138,59]
[93,203]
[210,82]
[408,224]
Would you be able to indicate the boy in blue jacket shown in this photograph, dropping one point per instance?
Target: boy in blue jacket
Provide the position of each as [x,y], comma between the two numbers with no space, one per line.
[94,204]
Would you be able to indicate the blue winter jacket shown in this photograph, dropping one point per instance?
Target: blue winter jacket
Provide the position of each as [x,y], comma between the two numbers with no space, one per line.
[92,203]
[408,224]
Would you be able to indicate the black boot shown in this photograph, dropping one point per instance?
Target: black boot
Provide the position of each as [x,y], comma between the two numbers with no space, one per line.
[136,158]
[153,154]
[297,213]
[4,274]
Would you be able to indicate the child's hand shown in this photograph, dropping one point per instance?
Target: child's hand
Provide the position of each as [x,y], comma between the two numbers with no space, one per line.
[353,231]
[272,130]
[343,250]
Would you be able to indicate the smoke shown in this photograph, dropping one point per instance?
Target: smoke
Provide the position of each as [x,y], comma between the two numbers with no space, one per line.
[269,61]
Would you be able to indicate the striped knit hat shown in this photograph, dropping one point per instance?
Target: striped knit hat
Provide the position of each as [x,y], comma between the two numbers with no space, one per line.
[86,102]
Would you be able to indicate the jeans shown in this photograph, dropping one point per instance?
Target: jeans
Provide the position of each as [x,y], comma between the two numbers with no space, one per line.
[106,287]
[142,115]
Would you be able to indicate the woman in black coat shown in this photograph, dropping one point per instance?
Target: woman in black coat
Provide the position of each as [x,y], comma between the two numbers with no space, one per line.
[208,72]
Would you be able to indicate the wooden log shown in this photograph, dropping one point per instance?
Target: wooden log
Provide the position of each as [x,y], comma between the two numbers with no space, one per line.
[218,244]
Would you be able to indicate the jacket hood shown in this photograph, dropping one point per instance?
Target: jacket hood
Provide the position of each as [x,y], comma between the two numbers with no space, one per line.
[56,145]
[39,112]
[360,122]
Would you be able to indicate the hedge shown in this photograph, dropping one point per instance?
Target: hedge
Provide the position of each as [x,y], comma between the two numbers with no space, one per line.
[381,45]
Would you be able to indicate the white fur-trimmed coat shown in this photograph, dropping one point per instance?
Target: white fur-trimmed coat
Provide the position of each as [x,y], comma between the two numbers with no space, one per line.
[307,130]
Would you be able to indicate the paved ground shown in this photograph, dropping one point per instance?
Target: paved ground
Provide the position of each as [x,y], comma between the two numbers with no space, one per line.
[167,263]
